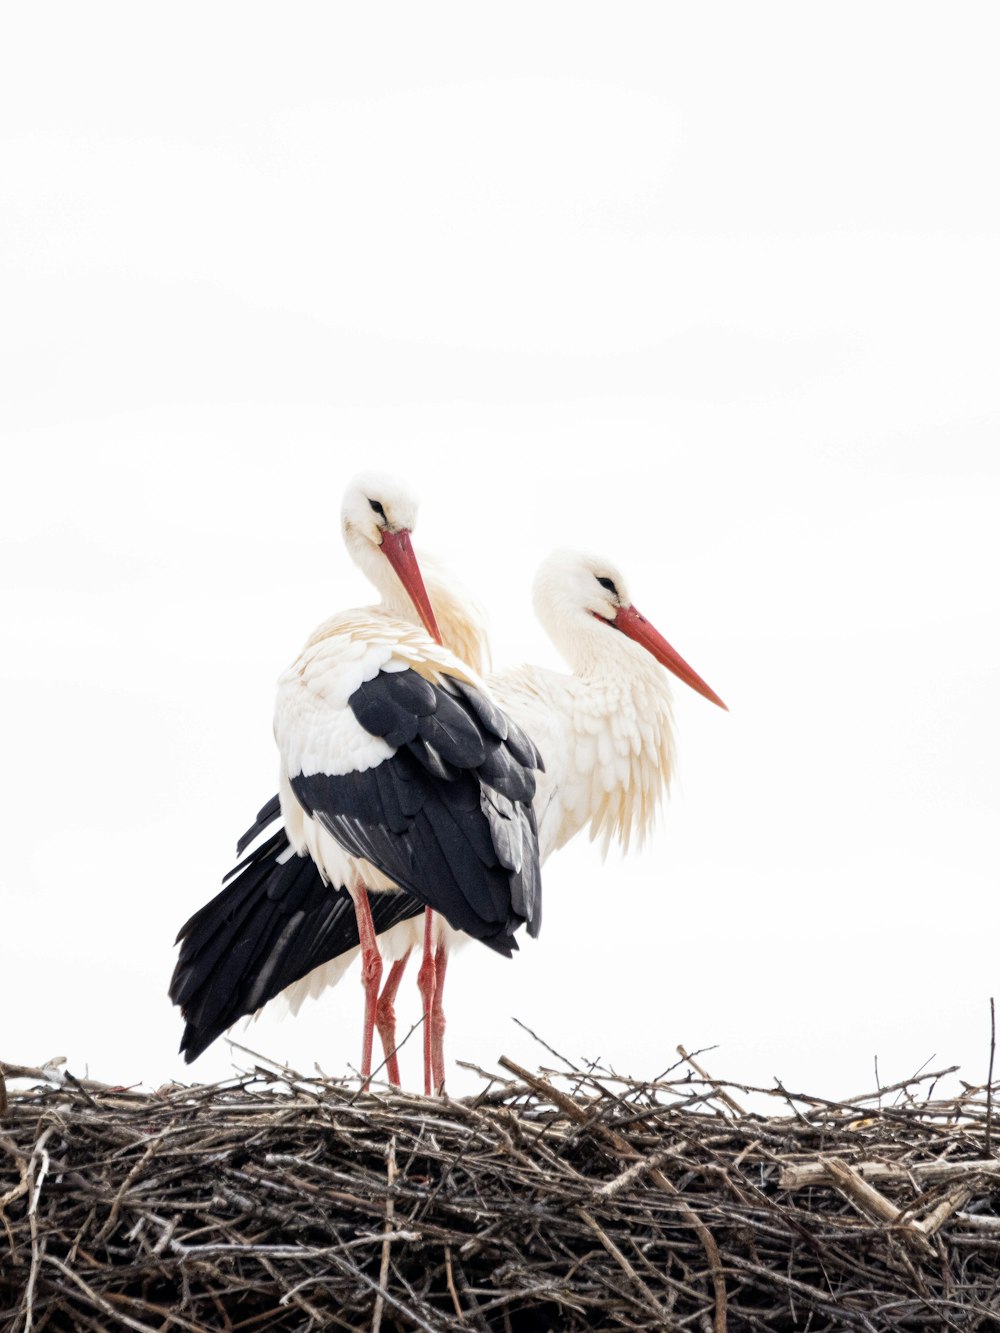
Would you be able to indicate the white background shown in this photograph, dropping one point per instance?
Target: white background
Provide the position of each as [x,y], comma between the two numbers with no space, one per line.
[713,291]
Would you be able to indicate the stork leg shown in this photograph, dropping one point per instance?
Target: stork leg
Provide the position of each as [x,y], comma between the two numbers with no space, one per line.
[385,1017]
[437,1017]
[371,975]
[426,983]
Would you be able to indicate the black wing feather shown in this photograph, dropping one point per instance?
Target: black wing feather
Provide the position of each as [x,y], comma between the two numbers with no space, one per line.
[267,814]
[520,744]
[274,921]
[461,854]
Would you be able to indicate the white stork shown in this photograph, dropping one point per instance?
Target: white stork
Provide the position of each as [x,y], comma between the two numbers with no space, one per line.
[606,733]
[396,770]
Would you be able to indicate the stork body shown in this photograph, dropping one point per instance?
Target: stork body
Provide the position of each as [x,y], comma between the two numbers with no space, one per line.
[396,769]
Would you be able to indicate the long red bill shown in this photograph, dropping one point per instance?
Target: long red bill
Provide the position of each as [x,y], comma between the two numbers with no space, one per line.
[399,553]
[637,627]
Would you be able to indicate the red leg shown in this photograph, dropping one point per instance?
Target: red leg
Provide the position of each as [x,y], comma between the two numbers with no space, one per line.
[371,974]
[385,1017]
[437,1017]
[426,985]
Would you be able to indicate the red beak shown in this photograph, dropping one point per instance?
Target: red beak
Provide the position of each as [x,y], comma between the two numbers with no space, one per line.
[399,553]
[637,627]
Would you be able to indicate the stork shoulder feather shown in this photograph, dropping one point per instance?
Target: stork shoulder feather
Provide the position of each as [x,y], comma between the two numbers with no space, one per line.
[314,726]
[358,635]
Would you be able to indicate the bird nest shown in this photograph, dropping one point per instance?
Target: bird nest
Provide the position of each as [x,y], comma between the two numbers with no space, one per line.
[564,1201]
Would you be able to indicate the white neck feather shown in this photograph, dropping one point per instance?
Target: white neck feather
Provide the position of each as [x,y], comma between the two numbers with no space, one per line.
[460,618]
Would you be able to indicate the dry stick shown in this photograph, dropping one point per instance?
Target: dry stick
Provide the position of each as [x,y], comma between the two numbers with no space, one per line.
[390,1207]
[145,1305]
[622,1145]
[565,1103]
[622,1262]
[720,1091]
[819,1298]
[291,1077]
[708,1243]
[37,1182]
[956,1198]
[22,1186]
[865,1197]
[800,1175]
[551,1049]
[112,1220]
[904,1083]
[96,1299]
[76,1083]
[978,1222]
[989,1079]
[50,1073]
[360,1276]
[870,1203]
[782,1091]
[450,1278]
[631,1173]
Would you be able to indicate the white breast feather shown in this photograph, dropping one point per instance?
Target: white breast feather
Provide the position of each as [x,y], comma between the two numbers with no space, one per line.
[607,745]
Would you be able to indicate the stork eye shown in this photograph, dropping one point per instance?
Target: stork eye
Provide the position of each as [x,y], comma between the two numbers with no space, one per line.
[377,506]
[609,584]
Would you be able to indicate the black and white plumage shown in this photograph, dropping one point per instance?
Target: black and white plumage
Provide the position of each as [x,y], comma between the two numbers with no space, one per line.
[446,814]
[274,920]
[395,762]
[605,729]
[396,769]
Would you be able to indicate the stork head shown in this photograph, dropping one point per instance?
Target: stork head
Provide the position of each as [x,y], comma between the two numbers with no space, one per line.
[579,596]
[378,514]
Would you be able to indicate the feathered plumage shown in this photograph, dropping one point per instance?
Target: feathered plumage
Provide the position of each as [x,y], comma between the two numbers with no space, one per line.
[605,730]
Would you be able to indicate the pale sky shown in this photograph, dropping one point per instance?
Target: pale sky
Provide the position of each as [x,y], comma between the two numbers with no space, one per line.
[711,291]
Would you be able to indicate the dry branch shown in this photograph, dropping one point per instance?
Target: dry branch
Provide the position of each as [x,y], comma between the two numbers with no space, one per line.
[800,1175]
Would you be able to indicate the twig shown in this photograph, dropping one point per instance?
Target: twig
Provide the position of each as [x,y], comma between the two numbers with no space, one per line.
[390,1208]
[36,1251]
[366,1085]
[865,1197]
[459,1315]
[904,1083]
[542,1042]
[623,1263]
[720,1091]
[632,1173]
[800,1175]
[955,1199]
[989,1077]
[117,1315]
[52,1072]
[870,1203]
